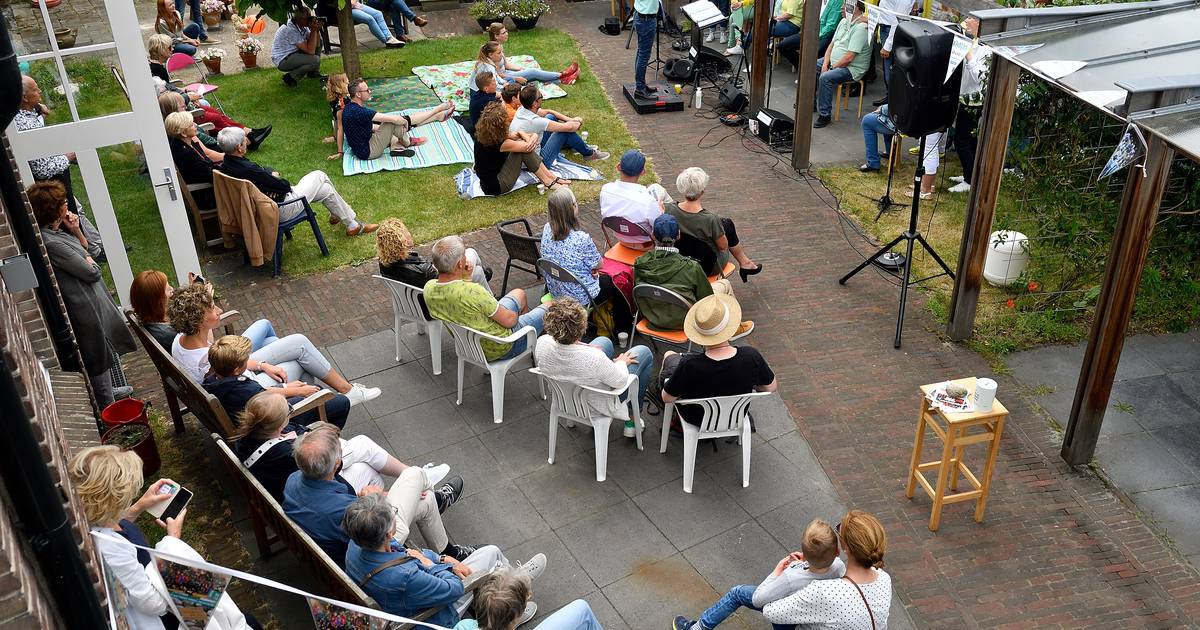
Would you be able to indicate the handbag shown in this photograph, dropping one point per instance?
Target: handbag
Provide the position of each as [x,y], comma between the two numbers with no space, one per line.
[864,598]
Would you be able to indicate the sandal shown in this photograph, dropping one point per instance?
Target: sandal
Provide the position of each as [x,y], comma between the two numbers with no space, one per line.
[559,183]
[925,196]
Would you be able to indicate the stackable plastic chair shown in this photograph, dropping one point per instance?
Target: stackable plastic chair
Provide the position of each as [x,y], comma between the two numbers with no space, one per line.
[406,305]
[724,416]
[467,345]
[570,402]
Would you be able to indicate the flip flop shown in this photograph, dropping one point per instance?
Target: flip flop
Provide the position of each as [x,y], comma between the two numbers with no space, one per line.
[416,142]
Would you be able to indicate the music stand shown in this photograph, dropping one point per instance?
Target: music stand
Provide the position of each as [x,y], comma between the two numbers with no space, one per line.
[703,14]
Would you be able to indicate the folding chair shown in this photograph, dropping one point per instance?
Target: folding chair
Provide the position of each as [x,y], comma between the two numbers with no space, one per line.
[656,293]
[521,248]
[550,270]
[617,250]
[180,61]
[223,181]
[724,416]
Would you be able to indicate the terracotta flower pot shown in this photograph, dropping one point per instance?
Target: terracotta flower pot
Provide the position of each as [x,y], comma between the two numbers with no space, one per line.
[213,65]
[65,37]
[50,4]
[212,19]
[250,60]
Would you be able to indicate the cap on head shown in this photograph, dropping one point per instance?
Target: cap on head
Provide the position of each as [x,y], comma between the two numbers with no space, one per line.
[666,228]
[632,162]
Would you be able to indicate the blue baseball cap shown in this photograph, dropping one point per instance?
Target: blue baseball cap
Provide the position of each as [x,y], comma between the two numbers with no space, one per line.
[666,228]
[632,162]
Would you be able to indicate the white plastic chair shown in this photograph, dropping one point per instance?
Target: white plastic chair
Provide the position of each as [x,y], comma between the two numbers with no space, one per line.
[570,402]
[406,304]
[466,344]
[724,416]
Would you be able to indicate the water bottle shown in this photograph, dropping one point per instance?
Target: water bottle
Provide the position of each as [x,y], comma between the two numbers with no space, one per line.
[623,339]
[698,98]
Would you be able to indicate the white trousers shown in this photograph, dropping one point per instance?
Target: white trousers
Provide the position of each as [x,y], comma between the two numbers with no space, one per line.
[485,558]
[318,189]
[415,505]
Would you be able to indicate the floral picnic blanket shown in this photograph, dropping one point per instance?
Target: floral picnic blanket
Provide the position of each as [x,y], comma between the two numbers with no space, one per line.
[393,94]
[449,81]
[448,143]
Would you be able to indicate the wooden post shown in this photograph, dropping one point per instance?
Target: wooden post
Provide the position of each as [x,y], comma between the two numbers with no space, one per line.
[763,12]
[806,86]
[994,126]
[1114,308]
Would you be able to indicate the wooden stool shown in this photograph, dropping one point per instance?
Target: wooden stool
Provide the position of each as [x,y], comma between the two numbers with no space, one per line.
[954,429]
[837,103]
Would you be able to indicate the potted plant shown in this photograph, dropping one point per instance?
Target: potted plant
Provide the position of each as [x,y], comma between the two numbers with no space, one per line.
[525,13]
[211,58]
[248,49]
[487,11]
[137,437]
[212,10]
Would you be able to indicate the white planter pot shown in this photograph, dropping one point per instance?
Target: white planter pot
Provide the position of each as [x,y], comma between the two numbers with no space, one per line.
[1007,257]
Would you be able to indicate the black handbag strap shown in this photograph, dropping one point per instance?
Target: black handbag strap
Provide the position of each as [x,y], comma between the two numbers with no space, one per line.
[860,594]
[394,562]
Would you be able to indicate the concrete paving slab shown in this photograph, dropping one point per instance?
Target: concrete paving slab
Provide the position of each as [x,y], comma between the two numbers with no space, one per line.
[1183,442]
[614,542]
[1156,402]
[564,578]
[1179,352]
[1175,509]
[502,517]
[686,519]
[522,446]
[568,491]
[638,471]
[657,591]
[1189,383]
[1139,462]
[786,523]
[608,616]
[405,385]
[476,406]
[365,355]
[743,555]
[471,460]
[426,427]
[774,480]
[771,417]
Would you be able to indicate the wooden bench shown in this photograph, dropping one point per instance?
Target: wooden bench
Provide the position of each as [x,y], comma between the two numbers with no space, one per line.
[266,513]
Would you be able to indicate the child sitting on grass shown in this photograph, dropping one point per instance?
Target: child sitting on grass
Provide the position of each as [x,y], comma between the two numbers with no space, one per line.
[818,560]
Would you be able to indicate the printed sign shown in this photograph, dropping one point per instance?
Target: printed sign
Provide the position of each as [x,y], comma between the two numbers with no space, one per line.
[328,616]
[194,591]
[958,52]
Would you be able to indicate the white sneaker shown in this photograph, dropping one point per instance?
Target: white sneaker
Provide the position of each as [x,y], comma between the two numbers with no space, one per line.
[711,35]
[361,394]
[597,154]
[957,179]
[435,473]
[530,611]
[535,565]
[736,50]
[960,187]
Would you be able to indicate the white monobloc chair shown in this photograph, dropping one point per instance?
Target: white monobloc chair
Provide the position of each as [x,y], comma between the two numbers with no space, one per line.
[569,401]
[466,344]
[406,304]
[724,416]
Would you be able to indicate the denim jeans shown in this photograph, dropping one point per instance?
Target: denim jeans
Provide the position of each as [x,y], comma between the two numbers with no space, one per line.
[647,29]
[197,17]
[643,368]
[574,616]
[536,74]
[191,30]
[534,317]
[553,143]
[297,356]
[260,333]
[778,29]
[738,597]
[872,126]
[373,18]
[884,31]
[827,82]
[398,9]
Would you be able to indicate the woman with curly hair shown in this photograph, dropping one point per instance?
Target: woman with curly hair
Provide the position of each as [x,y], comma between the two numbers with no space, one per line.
[337,93]
[275,361]
[500,154]
[400,262]
[561,354]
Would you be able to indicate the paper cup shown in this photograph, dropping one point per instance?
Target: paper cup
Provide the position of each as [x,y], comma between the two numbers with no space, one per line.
[985,394]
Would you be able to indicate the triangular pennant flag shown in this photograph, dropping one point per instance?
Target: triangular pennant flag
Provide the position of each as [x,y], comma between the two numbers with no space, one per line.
[872,20]
[194,591]
[1126,153]
[330,616]
[1013,51]
[118,598]
[958,52]
[1058,68]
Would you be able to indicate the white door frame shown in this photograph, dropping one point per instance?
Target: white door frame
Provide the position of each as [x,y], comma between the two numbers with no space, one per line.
[142,124]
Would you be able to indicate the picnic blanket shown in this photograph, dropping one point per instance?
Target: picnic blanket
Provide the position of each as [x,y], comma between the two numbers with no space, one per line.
[467,182]
[448,144]
[396,93]
[449,81]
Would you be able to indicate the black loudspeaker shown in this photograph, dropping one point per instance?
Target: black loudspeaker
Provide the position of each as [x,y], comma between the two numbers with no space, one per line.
[919,100]
[611,26]
[733,99]
[681,70]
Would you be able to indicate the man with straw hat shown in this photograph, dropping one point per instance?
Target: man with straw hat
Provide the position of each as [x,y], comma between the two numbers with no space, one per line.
[722,369]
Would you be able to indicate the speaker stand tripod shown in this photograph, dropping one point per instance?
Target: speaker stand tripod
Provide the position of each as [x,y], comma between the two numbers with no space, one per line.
[885,202]
[912,235]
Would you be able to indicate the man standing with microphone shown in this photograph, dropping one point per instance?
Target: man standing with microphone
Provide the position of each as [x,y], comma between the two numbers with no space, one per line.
[645,22]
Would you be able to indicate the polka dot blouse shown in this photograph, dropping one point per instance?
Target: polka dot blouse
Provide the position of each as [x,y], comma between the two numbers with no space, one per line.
[835,604]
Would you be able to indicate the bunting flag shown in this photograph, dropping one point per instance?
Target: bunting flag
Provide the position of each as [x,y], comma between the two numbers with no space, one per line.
[872,20]
[330,616]
[1056,69]
[1014,51]
[194,591]
[1128,150]
[958,52]
[118,599]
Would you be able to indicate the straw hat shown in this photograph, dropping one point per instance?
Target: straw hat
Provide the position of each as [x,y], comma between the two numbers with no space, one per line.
[713,320]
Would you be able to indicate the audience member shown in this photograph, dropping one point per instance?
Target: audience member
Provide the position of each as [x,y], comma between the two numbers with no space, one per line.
[931,160]
[510,95]
[373,18]
[784,23]
[337,93]
[171,102]
[228,381]
[500,154]
[197,18]
[705,233]
[273,360]
[722,369]
[861,599]
[191,157]
[846,59]
[816,560]
[370,133]
[831,16]
[399,261]
[100,331]
[485,93]
[294,49]
[148,296]
[31,114]
[168,21]
[315,185]
[554,130]
[266,435]
[502,603]
[400,11]
[561,354]
[569,247]
[316,496]
[107,480]
[453,298]
[407,580]
[970,105]
[887,36]
[498,33]
[873,124]
[740,12]
[629,200]
[665,267]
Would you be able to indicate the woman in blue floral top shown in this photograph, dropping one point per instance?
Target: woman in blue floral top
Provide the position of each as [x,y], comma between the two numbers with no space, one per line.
[569,247]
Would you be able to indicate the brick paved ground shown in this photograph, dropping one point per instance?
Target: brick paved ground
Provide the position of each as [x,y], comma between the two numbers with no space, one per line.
[1057,548]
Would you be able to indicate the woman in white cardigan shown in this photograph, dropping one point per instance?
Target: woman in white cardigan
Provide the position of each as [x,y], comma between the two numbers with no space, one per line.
[107,480]
[562,355]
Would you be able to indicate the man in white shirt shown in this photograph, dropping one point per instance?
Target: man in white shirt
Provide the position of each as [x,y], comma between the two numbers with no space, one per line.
[628,199]
[555,130]
[887,34]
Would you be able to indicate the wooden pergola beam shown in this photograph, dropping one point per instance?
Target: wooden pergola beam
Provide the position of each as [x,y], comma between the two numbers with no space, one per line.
[806,86]
[1144,188]
[994,125]
[763,10]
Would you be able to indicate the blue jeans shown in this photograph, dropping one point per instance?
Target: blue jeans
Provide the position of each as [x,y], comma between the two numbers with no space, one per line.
[373,18]
[534,317]
[647,29]
[643,368]
[536,74]
[872,126]
[778,29]
[738,597]
[574,616]
[827,82]
[197,17]
[554,141]
[191,30]
[260,333]
[884,31]
[397,8]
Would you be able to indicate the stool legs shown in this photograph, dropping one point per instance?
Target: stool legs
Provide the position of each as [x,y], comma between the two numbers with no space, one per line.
[935,518]
[918,442]
[988,469]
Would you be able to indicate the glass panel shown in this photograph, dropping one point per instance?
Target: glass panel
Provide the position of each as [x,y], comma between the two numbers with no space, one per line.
[97,91]
[75,23]
[45,73]
[26,27]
